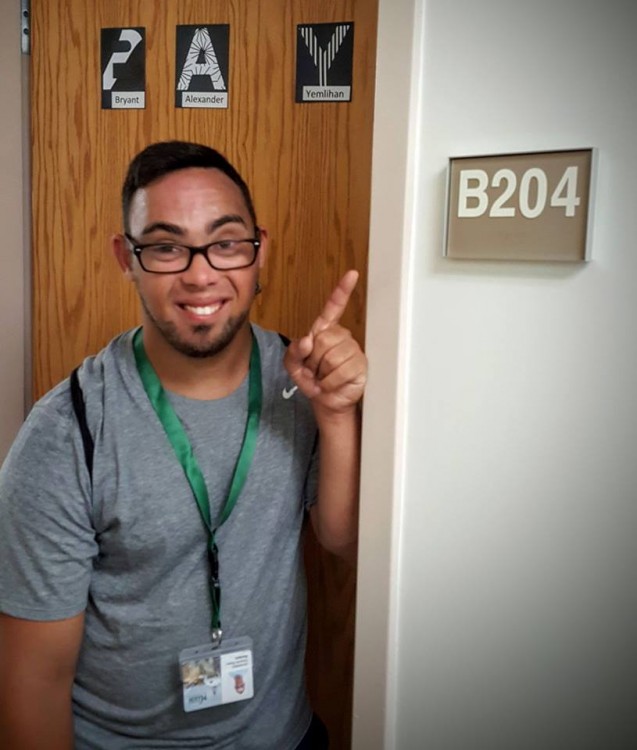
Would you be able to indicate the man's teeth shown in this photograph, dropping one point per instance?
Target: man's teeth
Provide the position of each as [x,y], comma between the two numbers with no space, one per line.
[207,310]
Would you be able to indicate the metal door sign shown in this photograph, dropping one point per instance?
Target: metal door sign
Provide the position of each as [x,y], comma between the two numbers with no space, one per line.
[123,58]
[324,57]
[202,66]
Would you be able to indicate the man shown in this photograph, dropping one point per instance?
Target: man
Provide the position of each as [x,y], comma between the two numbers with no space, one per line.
[132,594]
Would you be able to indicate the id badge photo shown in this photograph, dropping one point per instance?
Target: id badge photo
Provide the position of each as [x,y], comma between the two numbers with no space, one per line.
[216,676]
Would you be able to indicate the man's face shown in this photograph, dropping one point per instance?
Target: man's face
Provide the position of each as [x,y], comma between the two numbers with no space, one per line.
[200,310]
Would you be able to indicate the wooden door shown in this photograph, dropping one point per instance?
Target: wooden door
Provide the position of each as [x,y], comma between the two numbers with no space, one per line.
[308,166]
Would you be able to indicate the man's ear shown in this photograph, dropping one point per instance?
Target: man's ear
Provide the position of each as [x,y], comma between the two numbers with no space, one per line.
[122,253]
[264,247]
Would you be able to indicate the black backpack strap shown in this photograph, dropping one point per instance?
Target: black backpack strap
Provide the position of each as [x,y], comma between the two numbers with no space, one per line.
[77,398]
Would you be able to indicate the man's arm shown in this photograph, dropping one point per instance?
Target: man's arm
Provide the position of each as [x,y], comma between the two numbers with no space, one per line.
[335,515]
[37,667]
[330,368]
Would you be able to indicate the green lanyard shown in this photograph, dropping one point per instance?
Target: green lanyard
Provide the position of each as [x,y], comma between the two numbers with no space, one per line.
[183,450]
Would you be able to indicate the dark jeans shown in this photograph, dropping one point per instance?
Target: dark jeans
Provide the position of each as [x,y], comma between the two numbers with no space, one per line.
[316,737]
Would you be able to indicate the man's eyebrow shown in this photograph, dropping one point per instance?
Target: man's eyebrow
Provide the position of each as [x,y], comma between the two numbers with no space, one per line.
[162,226]
[227,219]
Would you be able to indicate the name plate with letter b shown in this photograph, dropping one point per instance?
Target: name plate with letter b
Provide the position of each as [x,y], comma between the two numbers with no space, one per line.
[530,206]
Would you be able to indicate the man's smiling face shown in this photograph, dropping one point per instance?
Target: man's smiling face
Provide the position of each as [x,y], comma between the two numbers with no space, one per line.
[198,311]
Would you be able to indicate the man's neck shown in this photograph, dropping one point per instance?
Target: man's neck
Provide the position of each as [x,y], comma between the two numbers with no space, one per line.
[199,378]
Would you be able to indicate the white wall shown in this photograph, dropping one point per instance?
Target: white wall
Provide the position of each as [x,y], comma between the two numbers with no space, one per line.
[12,261]
[516,611]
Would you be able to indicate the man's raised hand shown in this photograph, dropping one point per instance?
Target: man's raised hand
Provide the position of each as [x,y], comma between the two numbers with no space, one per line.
[327,364]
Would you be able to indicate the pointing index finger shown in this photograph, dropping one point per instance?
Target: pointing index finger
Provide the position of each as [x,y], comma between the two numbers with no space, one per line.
[336,303]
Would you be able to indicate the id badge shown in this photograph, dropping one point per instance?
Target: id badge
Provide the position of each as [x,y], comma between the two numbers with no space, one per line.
[216,676]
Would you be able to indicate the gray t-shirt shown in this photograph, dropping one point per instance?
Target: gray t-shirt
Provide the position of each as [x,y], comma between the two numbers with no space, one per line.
[130,551]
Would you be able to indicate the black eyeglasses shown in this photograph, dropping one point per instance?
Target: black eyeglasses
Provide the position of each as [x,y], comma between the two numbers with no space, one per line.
[222,255]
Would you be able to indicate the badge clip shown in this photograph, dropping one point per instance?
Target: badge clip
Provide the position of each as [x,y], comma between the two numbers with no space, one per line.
[215,635]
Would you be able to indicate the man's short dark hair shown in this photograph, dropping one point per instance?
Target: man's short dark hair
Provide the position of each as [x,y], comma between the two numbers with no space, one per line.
[161,158]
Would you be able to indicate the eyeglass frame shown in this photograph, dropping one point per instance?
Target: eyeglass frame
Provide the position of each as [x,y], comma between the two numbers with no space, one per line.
[194,250]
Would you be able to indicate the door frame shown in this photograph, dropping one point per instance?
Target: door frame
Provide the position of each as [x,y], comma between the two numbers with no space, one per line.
[15,297]
[392,215]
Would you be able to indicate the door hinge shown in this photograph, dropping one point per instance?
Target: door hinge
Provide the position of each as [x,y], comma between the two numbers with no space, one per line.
[25,26]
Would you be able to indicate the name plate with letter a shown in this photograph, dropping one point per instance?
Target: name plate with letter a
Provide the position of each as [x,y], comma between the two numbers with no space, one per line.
[533,206]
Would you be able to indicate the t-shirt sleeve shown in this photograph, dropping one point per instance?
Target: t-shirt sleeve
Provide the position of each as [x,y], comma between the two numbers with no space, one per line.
[47,540]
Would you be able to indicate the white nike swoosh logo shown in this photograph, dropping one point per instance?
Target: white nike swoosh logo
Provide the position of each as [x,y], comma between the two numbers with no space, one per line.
[289,392]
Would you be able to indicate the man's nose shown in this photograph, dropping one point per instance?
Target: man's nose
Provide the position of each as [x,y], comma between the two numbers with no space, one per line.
[200,272]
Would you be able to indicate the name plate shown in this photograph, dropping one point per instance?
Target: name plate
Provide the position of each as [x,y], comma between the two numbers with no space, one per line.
[530,206]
